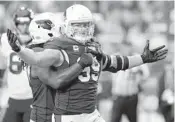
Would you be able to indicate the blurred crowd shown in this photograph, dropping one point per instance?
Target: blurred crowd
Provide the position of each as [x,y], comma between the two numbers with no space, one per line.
[123,27]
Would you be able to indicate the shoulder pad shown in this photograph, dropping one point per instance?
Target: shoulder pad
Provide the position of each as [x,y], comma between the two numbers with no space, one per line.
[60,43]
[52,43]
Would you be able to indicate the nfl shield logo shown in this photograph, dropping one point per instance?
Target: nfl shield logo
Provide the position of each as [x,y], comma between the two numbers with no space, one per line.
[75,48]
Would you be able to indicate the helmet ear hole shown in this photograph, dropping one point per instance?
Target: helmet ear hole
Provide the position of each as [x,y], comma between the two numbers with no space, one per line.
[50,34]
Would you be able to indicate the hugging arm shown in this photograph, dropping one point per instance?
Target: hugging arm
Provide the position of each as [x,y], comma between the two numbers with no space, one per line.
[44,58]
[63,78]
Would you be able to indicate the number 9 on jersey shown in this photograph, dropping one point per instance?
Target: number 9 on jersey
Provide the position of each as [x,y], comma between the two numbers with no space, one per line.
[90,73]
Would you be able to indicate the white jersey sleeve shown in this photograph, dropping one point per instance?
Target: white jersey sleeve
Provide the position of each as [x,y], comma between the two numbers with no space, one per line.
[17,80]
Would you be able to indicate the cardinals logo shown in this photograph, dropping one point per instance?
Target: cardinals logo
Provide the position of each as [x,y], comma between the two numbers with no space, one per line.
[75,48]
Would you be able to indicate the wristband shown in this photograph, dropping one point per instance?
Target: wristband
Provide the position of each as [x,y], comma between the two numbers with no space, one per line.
[17,49]
[143,58]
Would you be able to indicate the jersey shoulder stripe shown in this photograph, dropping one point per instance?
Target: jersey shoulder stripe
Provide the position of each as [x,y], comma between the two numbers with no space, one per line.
[60,43]
[66,57]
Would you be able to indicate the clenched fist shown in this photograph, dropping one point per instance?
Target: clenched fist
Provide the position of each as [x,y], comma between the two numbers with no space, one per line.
[86,60]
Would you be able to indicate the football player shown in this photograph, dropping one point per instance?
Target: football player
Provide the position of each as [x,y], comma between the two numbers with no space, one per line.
[77,102]
[43,28]
[18,90]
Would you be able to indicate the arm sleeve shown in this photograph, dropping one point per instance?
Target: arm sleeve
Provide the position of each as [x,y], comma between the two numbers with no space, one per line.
[114,63]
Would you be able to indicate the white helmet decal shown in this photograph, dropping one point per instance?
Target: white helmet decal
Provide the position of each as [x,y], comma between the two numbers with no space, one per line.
[43,27]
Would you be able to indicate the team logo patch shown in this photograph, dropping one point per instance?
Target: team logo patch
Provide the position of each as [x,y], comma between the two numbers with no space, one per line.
[75,48]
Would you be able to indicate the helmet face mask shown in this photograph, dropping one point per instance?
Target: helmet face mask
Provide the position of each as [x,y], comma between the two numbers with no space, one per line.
[79,23]
[23,28]
[22,19]
[80,31]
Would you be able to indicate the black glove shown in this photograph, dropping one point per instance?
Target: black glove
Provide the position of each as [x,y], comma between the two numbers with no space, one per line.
[86,60]
[154,55]
[94,48]
[13,41]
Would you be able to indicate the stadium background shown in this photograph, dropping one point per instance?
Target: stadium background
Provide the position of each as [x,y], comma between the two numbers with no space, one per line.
[122,27]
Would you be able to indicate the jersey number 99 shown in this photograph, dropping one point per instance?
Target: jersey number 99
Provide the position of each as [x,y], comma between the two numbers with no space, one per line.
[15,65]
[90,73]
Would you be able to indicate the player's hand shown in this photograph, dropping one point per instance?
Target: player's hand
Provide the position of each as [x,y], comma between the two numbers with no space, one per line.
[86,60]
[13,41]
[154,55]
[94,48]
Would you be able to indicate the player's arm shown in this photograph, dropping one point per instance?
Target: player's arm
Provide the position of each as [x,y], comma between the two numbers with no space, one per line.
[65,77]
[114,63]
[45,58]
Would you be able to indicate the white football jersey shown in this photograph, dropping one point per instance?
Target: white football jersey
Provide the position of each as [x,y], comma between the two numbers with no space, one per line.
[17,79]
